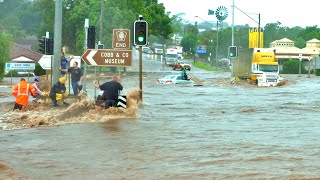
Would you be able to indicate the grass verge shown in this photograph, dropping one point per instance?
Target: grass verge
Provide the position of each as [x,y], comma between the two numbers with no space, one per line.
[203,66]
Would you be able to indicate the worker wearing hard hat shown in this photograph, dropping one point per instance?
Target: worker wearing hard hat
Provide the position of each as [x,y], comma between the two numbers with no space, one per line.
[21,91]
[58,91]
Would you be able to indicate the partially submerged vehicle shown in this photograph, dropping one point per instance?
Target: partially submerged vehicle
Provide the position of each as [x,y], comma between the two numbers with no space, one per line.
[174,79]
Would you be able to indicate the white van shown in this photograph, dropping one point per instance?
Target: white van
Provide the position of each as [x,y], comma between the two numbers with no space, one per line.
[145,49]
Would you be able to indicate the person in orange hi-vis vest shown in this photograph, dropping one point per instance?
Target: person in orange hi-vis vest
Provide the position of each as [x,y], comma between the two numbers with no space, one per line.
[22,91]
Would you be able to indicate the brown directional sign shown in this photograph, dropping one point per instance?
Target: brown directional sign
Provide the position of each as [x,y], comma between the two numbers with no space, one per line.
[121,39]
[108,57]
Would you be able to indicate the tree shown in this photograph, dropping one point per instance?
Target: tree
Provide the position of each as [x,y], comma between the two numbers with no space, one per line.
[117,14]
[310,33]
[4,52]
[18,17]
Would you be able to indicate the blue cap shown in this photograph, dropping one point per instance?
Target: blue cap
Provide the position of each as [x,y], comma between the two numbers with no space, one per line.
[36,79]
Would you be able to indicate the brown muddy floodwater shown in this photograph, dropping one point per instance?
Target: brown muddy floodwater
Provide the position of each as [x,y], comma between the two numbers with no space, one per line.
[215,131]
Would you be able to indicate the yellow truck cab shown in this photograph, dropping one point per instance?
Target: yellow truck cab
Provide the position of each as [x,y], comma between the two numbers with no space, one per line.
[265,68]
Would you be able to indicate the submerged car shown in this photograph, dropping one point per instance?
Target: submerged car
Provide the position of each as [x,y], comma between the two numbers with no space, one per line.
[174,79]
[26,73]
[19,73]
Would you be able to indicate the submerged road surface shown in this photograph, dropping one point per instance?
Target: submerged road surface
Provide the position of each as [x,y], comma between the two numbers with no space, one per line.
[215,131]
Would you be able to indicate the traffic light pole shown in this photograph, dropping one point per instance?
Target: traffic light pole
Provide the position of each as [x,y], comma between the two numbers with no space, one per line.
[140,33]
[140,71]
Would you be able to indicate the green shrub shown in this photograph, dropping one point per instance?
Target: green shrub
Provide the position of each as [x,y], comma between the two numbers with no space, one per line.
[317,72]
[292,67]
[39,70]
[2,69]
[14,73]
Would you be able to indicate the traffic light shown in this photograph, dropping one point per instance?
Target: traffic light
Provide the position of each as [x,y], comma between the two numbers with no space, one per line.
[233,52]
[49,46]
[91,37]
[140,33]
[42,45]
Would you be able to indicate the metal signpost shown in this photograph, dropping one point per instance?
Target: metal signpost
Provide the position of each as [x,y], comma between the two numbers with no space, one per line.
[300,60]
[309,58]
[121,40]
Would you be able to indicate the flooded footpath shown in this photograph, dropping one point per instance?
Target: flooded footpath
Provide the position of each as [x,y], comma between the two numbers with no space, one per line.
[213,129]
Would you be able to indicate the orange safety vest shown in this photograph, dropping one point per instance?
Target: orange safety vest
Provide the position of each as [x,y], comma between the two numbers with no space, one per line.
[21,91]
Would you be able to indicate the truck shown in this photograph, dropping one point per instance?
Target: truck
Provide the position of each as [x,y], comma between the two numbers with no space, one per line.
[179,52]
[157,48]
[171,56]
[261,66]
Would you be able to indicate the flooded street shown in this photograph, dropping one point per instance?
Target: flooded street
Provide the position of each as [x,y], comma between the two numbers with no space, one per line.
[218,130]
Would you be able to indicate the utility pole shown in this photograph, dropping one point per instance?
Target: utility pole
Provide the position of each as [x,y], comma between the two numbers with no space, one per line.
[217,44]
[100,37]
[259,32]
[101,20]
[232,38]
[57,41]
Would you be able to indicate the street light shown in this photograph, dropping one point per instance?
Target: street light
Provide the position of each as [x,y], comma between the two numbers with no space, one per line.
[204,20]
[254,21]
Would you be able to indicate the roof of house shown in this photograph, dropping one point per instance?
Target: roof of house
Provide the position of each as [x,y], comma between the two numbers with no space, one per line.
[284,40]
[22,53]
[314,40]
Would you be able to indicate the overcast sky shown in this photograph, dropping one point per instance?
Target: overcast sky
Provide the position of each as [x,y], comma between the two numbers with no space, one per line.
[289,12]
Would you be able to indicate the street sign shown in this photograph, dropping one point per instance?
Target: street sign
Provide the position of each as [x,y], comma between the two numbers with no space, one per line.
[108,57]
[45,62]
[201,49]
[20,66]
[121,39]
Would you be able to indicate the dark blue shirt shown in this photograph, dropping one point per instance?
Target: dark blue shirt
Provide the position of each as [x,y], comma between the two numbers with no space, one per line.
[64,62]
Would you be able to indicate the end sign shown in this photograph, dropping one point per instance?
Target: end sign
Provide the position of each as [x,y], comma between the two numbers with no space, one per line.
[121,39]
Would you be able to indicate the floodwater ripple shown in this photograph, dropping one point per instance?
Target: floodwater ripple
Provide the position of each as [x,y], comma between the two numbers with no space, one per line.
[219,132]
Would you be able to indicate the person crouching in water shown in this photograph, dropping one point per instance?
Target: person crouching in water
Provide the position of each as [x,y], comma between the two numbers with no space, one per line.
[58,90]
[110,91]
[184,74]
[22,91]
